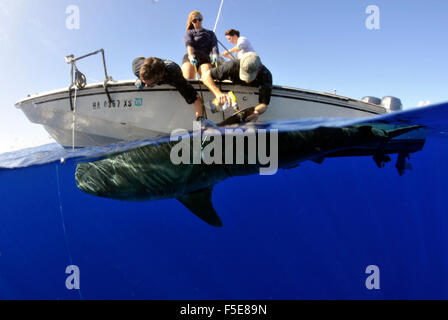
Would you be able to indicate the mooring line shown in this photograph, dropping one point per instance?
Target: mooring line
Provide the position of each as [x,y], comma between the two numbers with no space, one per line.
[63,224]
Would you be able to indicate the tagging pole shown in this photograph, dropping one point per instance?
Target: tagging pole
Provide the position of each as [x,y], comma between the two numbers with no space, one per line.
[219,13]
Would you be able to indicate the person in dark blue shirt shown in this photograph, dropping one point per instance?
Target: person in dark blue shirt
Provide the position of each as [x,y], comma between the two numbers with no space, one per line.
[200,44]
[155,71]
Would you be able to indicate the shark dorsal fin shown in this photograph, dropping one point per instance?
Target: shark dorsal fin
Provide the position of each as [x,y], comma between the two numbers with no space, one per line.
[200,203]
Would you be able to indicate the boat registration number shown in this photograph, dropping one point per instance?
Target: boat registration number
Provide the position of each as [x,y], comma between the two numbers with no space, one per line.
[117,103]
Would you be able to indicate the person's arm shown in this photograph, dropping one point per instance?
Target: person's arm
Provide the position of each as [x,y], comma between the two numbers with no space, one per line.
[190,53]
[233,50]
[190,50]
[215,50]
[259,109]
[188,39]
[264,96]
[173,76]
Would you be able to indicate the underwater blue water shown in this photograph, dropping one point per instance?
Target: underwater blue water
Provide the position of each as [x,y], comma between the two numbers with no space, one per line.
[303,233]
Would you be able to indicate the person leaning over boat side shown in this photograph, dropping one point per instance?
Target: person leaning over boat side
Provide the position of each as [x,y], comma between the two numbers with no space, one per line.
[248,70]
[243,45]
[155,71]
[200,43]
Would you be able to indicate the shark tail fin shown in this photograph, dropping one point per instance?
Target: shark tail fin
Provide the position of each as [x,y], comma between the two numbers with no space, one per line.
[200,203]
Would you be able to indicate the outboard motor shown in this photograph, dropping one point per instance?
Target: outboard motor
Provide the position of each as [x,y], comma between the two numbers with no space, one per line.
[391,103]
[373,100]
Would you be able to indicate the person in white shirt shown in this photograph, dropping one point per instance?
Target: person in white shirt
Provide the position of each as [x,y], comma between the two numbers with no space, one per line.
[243,45]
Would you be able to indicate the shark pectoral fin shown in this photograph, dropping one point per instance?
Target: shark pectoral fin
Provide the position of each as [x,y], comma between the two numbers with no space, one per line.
[200,203]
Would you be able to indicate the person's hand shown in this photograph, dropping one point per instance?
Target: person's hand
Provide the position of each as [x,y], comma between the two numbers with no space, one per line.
[193,61]
[227,54]
[253,117]
[223,98]
[138,84]
[214,59]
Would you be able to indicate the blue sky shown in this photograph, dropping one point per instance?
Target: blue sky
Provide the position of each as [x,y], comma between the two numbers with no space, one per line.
[319,45]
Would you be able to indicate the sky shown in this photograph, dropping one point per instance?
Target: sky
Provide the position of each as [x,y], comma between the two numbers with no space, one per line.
[320,45]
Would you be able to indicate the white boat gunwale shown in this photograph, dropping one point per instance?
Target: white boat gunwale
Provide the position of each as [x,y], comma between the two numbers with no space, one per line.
[315,96]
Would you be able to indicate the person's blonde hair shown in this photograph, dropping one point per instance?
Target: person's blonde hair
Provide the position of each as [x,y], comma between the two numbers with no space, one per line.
[190,17]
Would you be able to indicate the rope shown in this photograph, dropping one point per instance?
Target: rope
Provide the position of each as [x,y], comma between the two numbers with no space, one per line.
[67,247]
[204,140]
[74,119]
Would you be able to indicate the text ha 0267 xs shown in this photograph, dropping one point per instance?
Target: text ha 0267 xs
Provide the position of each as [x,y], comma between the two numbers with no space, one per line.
[104,113]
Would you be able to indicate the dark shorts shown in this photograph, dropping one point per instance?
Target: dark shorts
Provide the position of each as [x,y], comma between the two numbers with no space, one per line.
[202,58]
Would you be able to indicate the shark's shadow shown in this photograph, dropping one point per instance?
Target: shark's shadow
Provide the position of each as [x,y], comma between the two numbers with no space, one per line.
[148,172]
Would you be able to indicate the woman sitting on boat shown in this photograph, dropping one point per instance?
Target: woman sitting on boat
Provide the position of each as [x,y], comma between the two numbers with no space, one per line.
[200,44]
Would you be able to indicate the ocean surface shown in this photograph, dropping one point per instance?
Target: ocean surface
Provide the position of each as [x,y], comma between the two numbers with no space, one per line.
[309,232]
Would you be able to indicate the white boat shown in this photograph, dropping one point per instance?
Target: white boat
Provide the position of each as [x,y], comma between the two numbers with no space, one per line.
[104,113]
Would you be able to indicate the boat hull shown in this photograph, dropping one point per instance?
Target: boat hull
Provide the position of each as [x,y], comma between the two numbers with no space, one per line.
[135,114]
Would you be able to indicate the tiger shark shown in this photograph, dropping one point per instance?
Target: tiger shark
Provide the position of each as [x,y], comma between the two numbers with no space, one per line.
[149,173]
